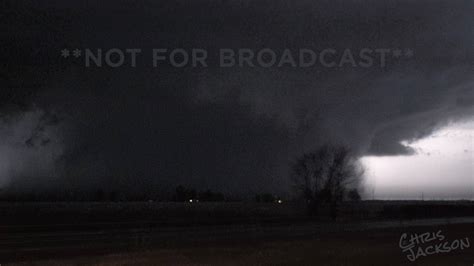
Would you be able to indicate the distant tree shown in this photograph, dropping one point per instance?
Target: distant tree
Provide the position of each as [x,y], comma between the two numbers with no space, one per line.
[324,176]
[113,196]
[191,194]
[354,195]
[99,195]
[208,195]
[183,194]
[180,193]
[265,197]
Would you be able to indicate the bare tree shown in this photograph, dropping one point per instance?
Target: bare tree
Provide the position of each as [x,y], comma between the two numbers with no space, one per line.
[325,175]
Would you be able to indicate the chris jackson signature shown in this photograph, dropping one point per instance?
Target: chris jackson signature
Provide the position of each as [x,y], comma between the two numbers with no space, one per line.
[429,243]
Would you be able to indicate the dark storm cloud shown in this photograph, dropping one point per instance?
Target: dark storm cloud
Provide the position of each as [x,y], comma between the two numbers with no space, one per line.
[232,129]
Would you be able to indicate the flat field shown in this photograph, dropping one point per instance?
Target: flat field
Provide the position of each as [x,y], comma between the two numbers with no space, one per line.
[239,233]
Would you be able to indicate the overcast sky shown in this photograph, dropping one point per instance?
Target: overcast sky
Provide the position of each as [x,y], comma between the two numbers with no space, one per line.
[64,125]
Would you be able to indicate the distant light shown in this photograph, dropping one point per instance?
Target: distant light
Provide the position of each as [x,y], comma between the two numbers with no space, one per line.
[279,201]
[191,200]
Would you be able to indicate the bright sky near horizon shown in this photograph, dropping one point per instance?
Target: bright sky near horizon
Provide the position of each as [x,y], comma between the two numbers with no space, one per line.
[442,168]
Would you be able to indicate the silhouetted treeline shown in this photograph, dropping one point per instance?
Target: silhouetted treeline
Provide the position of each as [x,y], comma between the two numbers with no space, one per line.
[70,195]
[185,194]
[180,194]
[267,198]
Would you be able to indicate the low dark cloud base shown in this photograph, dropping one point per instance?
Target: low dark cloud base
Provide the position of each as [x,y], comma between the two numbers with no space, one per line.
[233,129]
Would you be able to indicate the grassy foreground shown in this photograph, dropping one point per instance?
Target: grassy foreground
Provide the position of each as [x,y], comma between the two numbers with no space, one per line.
[372,247]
